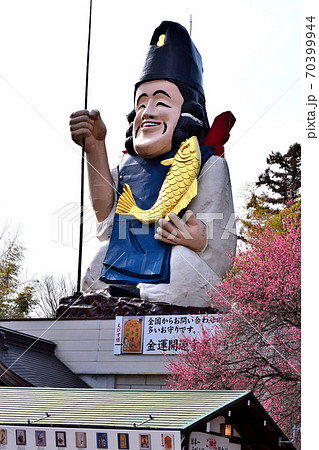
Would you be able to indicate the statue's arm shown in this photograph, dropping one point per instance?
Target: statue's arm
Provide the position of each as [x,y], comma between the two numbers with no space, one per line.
[89,125]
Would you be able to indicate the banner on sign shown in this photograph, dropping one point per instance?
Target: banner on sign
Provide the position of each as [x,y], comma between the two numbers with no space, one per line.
[159,334]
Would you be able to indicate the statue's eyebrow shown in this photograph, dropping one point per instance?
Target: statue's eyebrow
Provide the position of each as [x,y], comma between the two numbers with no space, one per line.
[140,96]
[160,91]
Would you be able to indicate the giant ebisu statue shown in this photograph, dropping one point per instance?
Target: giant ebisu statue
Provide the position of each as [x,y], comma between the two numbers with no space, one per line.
[165,214]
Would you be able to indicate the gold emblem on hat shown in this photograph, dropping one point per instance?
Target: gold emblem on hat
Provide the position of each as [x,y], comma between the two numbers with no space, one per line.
[161,40]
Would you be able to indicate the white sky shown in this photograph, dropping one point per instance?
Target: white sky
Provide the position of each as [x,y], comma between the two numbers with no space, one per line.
[252,66]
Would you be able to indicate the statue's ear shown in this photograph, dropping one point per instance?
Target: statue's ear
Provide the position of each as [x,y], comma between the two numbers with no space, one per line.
[131,116]
[129,133]
[194,108]
[191,123]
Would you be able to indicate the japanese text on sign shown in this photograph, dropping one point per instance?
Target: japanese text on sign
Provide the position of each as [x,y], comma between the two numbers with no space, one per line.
[168,333]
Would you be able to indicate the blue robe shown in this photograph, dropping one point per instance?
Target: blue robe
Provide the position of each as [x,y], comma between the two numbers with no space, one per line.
[133,255]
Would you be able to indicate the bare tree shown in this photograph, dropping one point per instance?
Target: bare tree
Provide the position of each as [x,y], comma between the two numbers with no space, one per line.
[50,290]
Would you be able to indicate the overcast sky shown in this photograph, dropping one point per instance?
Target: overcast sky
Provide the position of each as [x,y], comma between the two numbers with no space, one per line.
[252,66]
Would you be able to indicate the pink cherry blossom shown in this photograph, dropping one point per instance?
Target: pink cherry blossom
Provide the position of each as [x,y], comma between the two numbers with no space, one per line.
[257,343]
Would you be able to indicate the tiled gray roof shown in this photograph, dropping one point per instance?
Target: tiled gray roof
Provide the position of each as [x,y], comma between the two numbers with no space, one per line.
[34,360]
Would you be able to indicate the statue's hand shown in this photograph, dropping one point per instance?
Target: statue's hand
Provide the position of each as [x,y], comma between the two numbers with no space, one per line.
[88,125]
[191,234]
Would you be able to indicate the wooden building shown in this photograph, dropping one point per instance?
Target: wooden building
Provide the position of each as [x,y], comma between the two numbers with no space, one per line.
[34,418]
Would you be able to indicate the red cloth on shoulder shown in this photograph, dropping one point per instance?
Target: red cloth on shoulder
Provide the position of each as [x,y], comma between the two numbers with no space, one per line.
[218,134]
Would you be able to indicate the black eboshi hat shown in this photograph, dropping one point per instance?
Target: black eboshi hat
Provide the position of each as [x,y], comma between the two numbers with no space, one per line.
[173,55]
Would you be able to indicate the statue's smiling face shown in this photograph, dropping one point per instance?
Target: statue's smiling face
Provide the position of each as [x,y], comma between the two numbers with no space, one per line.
[158,107]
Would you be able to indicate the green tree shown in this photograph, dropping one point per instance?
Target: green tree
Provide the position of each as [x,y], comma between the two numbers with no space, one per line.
[277,187]
[283,183]
[16,298]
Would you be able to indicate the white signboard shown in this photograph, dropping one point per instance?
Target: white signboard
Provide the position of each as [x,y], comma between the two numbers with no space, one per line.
[118,335]
[166,334]
[25,437]
[205,441]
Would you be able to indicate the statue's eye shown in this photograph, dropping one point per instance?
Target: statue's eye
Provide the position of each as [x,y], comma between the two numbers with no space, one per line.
[162,104]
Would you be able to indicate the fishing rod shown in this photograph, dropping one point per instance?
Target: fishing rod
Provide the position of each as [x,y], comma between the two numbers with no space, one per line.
[83,159]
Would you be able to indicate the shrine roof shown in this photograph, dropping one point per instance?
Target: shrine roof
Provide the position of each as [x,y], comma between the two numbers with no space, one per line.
[29,361]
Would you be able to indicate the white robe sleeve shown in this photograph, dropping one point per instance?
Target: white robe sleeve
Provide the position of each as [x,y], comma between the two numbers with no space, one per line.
[104,229]
[214,206]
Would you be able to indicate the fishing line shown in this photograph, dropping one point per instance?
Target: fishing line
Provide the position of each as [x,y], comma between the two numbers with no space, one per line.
[82,160]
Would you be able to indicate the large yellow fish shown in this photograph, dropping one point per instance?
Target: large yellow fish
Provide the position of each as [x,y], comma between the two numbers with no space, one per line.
[178,188]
